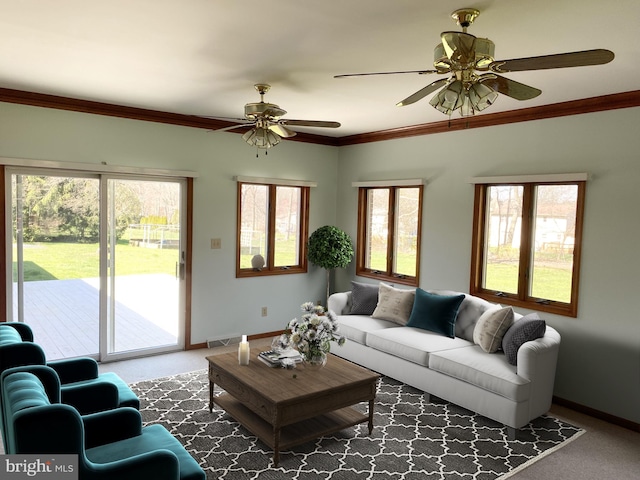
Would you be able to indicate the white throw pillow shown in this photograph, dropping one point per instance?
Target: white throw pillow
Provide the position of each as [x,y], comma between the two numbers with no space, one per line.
[491,327]
[394,304]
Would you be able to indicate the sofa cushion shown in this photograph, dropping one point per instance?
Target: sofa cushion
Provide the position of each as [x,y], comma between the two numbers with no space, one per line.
[469,313]
[524,330]
[436,313]
[489,372]
[412,344]
[491,327]
[394,304]
[364,298]
[355,327]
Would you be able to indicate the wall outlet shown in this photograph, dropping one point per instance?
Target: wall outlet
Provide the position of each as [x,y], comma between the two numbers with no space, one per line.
[264,311]
[216,243]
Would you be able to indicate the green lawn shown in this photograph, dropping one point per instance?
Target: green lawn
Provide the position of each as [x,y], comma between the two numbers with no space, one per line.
[62,261]
[549,283]
[286,251]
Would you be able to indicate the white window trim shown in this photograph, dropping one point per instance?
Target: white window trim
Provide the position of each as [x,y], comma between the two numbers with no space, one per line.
[95,167]
[548,178]
[275,181]
[390,183]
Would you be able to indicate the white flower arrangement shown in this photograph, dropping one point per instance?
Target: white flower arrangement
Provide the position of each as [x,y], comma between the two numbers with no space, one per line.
[313,333]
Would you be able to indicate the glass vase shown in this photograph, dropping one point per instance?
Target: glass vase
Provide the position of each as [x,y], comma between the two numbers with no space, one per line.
[315,361]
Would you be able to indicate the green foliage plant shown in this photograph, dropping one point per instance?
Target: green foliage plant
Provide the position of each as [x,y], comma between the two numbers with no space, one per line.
[330,248]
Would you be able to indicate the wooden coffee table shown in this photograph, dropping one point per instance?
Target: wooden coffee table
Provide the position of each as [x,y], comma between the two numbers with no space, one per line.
[285,407]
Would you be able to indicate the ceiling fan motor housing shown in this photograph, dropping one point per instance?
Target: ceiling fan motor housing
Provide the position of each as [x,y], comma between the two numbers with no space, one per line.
[260,109]
[484,56]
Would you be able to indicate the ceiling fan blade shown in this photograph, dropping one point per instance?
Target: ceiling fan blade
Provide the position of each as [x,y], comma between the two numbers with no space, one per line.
[459,47]
[560,60]
[420,94]
[282,130]
[309,123]
[419,72]
[232,127]
[510,88]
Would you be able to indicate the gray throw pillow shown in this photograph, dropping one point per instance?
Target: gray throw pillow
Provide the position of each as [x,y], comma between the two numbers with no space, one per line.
[364,298]
[394,304]
[491,327]
[524,330]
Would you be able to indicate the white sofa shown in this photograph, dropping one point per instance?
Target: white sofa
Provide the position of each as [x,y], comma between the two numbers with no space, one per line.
[454,369]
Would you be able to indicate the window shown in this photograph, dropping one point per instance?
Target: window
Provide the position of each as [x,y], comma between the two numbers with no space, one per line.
[389,224]
[526,244]
[272,229]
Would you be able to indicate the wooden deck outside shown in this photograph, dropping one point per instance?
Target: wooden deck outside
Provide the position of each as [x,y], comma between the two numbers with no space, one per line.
[64,314]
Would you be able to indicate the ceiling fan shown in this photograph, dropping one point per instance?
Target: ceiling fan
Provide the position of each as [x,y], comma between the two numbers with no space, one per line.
[268,126]
[463,55]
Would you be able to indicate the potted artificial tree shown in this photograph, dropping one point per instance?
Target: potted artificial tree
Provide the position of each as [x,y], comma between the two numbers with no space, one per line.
[329,248]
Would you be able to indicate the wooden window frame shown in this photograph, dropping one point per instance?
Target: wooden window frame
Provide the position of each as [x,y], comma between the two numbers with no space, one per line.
[303,233]
[361,251]
[522,298]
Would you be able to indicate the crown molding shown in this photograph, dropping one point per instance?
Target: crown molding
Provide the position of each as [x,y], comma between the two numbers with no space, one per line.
[134,113]
[575,107]
[563,109]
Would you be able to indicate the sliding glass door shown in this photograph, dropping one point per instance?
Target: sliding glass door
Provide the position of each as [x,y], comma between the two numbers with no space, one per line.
[144,265]
[98,262]
[56,262]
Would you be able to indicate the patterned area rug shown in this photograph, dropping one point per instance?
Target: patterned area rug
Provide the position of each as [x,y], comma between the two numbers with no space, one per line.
[411,439]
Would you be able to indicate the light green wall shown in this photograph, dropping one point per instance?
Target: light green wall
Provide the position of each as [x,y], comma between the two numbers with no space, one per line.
[600,355]
[222,306]
[599,364]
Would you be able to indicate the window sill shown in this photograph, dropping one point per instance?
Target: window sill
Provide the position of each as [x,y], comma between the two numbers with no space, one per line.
[555,308]
[250,272]
[383,277]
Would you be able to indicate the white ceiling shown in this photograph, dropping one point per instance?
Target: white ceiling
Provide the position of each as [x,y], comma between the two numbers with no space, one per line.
[202,57]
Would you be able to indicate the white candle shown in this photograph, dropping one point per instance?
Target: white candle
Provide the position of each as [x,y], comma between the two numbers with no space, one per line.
[243,351]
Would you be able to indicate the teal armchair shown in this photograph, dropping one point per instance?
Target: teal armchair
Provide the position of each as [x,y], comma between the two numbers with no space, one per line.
[86,398]
[17,348]
[110,444]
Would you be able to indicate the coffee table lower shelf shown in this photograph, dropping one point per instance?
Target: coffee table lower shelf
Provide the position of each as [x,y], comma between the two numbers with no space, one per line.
[293,434]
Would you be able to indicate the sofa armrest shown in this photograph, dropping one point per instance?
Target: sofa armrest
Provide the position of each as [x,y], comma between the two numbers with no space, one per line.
[111,426]
[75,369]
[340,303]
[539,357]
[537,362]
[91,398]
[158,464]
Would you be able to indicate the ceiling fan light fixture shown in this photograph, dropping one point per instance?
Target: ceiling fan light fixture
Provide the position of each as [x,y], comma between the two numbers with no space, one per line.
[449,99]
[466,109]
[481,96]
[261,137]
